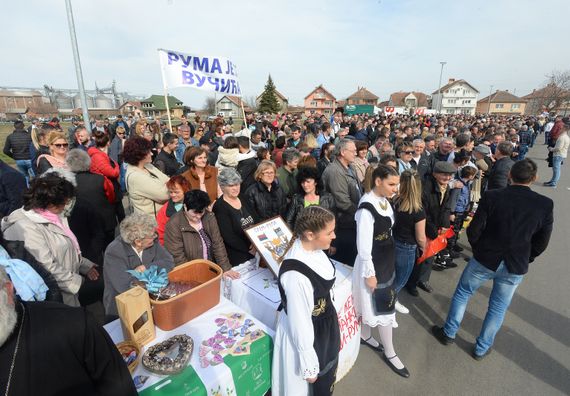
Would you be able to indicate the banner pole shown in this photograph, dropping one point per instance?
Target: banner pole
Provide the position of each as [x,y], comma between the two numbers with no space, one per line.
[243,110]
[165,91]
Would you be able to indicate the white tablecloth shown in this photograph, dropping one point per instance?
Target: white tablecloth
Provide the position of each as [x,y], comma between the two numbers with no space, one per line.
[256,292]
[216,379]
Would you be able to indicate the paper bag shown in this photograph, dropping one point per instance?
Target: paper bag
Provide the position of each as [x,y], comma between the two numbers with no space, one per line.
[136,315]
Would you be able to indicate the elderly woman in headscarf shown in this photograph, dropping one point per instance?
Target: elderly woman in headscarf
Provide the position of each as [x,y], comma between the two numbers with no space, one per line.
[136,248]
[43,227]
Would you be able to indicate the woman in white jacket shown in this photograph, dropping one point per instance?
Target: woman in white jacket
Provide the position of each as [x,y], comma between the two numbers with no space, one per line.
[145,183]
[43,228]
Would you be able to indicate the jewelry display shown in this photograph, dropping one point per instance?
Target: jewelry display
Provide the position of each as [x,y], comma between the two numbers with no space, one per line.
[157,360]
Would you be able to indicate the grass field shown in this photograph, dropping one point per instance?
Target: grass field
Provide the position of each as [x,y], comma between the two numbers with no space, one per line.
[6,128]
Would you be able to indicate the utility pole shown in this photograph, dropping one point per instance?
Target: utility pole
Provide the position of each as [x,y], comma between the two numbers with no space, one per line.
[439,88]
[489,106]
[78,72]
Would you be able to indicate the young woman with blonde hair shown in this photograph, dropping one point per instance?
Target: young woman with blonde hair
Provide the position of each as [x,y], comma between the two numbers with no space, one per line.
[410,228]
[307,341]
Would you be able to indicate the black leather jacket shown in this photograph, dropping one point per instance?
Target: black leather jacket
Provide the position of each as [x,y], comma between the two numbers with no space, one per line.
[326,201]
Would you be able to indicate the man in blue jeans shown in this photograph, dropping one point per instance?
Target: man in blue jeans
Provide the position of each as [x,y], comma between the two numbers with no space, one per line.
[511,227]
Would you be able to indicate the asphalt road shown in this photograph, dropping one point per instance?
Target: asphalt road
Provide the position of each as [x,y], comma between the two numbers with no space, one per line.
[531,354]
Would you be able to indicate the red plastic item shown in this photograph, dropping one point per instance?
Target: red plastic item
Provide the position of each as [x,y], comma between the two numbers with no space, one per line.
[434,246]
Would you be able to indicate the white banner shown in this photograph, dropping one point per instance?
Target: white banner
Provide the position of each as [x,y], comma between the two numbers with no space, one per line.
[207,73]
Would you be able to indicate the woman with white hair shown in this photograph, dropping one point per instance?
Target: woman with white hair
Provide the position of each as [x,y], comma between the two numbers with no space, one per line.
[136,248]
[233,218]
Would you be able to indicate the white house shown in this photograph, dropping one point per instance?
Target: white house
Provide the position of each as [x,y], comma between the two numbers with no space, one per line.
[457,97]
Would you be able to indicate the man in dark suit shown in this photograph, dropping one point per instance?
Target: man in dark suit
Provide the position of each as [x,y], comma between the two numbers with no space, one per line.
[499,175]
[511,227]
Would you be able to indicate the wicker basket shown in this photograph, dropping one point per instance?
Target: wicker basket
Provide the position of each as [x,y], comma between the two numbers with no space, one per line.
[178,310]
[127,346]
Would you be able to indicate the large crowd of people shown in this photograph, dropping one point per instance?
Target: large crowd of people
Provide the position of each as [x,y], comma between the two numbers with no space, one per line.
[370,191]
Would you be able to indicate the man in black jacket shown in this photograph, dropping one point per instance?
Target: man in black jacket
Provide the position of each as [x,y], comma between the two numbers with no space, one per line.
[436,202]
[12,185]
[17,146]
[512,226]
[499,175]
[34,333]
[166,159]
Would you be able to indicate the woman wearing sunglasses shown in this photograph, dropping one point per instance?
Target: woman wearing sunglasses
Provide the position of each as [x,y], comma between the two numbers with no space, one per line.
[58,149]
[405,154]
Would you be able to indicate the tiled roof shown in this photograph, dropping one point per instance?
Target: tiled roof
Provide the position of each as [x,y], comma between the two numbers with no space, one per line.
[399,98]
[363,93]
[449,85]
[323,88]
[158,102]
[502,97]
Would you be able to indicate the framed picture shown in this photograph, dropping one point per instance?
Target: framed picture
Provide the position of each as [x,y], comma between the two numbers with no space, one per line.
[271,239]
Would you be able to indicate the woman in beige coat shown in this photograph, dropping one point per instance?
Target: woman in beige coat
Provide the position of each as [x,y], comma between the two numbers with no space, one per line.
[145,184]
[193,233]
[43,228]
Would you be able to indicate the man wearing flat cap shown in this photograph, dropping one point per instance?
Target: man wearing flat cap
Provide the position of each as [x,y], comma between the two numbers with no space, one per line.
[437,205]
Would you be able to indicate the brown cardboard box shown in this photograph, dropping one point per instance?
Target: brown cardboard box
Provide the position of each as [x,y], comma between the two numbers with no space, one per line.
[136,315]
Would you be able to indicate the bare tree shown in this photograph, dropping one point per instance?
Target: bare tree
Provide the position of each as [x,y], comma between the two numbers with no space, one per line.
[554,95]
[250,101]
[210,105]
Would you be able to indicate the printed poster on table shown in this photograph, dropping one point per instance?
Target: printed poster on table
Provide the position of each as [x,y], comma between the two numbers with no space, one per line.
[271,239]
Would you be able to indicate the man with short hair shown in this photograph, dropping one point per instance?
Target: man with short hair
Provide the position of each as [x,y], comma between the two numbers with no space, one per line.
[256,142]
[52,349]
[166,159]
[17,146]
[511,228]
[287,174]
[339,179]
[498,177]
[81,139]
[295,139]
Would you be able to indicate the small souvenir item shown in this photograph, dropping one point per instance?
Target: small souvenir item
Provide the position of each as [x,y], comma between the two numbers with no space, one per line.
[157,358]
[153,279]
[139,380]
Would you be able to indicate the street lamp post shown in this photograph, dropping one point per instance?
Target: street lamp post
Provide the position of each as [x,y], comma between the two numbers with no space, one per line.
[78,72]
[489,105]
[439,88]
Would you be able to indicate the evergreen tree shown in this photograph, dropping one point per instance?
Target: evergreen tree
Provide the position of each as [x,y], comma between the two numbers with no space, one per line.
[268,102]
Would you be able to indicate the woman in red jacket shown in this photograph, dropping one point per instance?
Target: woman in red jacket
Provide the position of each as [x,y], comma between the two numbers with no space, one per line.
[177,186]
[102,164]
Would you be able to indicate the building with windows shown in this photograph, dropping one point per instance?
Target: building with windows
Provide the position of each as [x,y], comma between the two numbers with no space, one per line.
[319,102]
[230,106]
[411,101]
[501,102]
[455,97]
[281,99]
[362,96]
[155,106]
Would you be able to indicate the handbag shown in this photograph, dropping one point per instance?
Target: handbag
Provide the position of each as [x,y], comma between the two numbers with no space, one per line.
[434,246]
[384,300]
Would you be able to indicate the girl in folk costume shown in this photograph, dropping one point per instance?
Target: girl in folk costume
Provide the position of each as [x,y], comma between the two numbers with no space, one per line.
[307,341]
[374,271]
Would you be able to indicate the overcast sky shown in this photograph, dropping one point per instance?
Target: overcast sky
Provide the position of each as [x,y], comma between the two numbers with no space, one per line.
[385,45]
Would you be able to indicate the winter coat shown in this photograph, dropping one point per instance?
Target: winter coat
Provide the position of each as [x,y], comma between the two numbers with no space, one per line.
[326,201]
[17,145]
[12,185]
[210,181]
[264,204]
[147,193]
[185,243]
[498,176]
[346,190]
[437,214]
[120,257]
[50,246]
[227,158]
[162,217]
[166,163]
[103,165]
